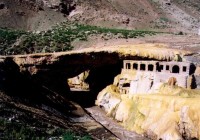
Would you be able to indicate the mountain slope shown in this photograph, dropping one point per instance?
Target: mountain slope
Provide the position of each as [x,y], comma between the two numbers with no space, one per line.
[179,15]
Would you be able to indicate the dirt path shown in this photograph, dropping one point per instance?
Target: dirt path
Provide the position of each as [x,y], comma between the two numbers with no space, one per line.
[111,125]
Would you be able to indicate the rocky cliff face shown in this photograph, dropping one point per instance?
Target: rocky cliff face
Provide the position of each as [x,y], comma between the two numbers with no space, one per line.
[171,113]
[138,112]
[167,112]
[28,15]
[163,15]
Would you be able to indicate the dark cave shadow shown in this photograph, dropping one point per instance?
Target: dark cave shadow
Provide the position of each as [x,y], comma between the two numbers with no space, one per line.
[22,89]
[84,98]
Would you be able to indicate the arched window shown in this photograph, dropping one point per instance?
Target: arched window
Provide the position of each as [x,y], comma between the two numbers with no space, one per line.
[150,67]
[175,69]
[128,66]
[142,67]
[135,66]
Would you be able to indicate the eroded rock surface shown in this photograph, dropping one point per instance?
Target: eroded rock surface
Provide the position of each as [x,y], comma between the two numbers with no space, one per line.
[144,114]
[78,82]
[168,112]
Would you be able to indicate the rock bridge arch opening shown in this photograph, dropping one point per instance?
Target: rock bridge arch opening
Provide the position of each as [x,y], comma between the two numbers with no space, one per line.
[85,86]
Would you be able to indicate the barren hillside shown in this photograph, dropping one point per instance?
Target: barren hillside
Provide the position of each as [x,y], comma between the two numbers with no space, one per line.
[165,15]
[45,43]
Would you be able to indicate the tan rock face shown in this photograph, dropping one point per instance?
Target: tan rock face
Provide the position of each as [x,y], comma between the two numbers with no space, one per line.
[157,115]
[170,113]
[172,81]
[197,71]
[78,82]
[108,100]
[187,122]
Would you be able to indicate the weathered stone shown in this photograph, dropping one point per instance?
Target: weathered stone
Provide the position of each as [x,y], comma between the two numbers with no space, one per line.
[171,114]
[172,81]
[79,82]
[108,100]
[197,80]
[197,71]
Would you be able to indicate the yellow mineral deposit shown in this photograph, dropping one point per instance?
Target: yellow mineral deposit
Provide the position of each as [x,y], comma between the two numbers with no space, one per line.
[142,101]
[164,115]
[148,51]
[109,100]
[170,112]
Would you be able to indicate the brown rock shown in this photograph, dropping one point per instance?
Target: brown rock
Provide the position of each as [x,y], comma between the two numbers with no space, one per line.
[172,81]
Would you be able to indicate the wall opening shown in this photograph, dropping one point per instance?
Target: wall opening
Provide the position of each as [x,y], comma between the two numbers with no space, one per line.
[78,83]
[142,67]
[126,85]
[175,69]
[184,68]
[167,67]
[150,67]
[159,67]
[128,66]
[135,66]
[192,69]
[97,79]
[2,6]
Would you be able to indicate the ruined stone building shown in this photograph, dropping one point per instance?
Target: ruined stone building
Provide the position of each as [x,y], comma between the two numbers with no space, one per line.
[148,75]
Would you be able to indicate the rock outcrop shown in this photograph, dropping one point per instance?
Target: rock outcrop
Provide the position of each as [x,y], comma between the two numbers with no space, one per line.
[144,114]
[79,82]
[142,14]
[169,112]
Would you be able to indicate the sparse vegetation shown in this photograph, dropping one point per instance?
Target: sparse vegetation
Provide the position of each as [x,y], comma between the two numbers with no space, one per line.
[16,131]
[72,136]
[57,39]
[8,37]
[164,19]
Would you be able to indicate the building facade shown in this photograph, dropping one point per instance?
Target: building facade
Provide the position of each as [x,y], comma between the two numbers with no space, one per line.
[153,72]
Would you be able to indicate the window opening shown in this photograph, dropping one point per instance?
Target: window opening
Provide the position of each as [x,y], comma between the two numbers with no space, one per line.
[167,67]
[135,66]
[175,69]
[184,68]
[128,66]
[142,67]
[150,67]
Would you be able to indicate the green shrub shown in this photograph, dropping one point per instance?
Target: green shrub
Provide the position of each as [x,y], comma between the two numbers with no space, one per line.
[59,38]
[69,135]
[164,19]
[17,131]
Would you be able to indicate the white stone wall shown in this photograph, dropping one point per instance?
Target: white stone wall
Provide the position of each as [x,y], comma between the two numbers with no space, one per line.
[146,80]
[142,83]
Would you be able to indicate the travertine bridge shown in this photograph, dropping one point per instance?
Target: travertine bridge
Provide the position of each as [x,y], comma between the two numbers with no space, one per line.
[52,70]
